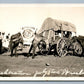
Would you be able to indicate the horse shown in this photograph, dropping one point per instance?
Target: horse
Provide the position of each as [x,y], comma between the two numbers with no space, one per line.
[14,42]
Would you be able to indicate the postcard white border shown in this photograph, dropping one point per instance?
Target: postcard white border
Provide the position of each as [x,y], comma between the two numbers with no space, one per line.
[42,78]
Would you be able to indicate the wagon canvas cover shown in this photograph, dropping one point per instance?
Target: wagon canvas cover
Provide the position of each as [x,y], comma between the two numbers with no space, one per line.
[56,25]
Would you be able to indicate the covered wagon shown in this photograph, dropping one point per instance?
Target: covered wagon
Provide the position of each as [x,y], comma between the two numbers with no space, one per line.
[59,33]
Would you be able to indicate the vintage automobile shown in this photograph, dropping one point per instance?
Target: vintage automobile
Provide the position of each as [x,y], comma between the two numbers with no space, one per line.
[27,34]
[59,34]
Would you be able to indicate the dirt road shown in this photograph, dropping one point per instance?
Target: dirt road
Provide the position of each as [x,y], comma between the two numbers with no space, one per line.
[41,66]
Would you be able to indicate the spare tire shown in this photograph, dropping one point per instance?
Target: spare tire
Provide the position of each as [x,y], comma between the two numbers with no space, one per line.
[42,47]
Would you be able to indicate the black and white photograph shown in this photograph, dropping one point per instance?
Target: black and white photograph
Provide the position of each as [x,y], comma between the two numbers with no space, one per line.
[43,41]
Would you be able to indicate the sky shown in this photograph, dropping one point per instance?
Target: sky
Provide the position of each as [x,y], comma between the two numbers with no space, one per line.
[15,16]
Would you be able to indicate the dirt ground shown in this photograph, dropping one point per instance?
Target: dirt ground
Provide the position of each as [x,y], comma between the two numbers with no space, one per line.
[48,65]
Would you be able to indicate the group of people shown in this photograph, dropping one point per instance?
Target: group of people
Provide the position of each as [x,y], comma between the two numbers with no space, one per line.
[4,41]
[14,41]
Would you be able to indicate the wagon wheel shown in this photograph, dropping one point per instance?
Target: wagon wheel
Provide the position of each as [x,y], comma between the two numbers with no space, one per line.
[42,47]
[78,50]
[62,48]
